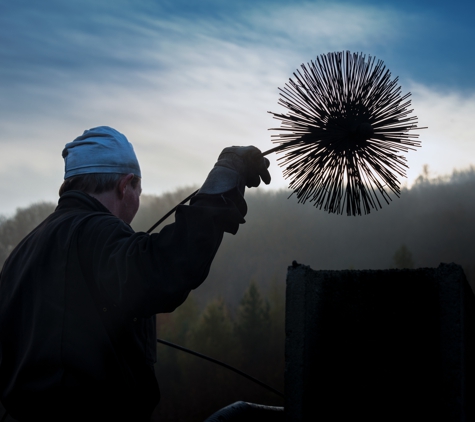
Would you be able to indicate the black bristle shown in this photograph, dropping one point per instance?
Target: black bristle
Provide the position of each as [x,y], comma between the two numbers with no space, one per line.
[344,133]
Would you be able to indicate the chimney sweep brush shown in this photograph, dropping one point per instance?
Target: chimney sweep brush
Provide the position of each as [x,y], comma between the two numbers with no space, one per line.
[343,136]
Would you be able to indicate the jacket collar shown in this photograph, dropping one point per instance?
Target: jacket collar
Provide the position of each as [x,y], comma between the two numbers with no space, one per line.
[79,200]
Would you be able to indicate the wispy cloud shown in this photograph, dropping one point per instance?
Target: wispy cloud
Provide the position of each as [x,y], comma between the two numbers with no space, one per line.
[449,141]
[181,86]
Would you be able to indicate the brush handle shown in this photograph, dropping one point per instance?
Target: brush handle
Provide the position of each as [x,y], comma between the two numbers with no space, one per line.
[270,151]
[171,211]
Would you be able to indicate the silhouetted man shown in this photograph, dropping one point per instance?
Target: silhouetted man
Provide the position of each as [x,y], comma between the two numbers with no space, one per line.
[78,296]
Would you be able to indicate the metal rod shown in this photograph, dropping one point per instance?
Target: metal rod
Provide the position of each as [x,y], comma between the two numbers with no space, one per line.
[270,151]
[225,365]
[171,212]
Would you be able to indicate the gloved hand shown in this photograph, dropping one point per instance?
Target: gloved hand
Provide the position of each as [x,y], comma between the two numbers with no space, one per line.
[248,162]
[237,167]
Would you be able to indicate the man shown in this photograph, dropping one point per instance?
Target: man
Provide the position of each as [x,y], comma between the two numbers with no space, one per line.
[78,296]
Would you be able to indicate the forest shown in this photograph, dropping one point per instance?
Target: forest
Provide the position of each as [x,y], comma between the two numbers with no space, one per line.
[238,314]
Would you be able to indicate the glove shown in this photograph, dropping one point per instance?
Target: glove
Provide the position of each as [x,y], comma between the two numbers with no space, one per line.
[248,162]
[237,167]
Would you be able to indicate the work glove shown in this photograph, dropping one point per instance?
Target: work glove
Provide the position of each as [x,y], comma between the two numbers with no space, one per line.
[237,167]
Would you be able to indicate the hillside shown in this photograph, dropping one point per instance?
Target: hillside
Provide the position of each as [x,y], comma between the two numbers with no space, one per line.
[433,220]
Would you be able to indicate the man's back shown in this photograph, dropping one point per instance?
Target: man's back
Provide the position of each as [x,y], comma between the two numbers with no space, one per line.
[59,353]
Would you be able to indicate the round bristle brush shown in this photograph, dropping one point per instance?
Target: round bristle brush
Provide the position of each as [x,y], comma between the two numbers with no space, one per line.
[343,136]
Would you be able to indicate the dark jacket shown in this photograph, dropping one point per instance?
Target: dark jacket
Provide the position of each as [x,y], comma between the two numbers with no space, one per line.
[78,298]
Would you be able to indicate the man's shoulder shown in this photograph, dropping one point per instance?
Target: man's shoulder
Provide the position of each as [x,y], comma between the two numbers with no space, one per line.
[71,219]
[76,208]
[101,222]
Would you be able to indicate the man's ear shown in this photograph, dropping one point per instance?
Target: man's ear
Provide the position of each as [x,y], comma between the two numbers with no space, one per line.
[123,183]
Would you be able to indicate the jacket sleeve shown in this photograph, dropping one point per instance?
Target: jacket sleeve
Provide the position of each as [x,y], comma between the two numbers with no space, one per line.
[147,274]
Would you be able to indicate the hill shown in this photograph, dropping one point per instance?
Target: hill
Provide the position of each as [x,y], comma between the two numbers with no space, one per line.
[432,221]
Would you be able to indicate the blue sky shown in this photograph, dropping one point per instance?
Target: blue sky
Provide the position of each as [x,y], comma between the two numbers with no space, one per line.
[184,79]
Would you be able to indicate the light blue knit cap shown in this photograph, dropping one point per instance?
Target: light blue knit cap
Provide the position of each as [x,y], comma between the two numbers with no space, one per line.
[100,150]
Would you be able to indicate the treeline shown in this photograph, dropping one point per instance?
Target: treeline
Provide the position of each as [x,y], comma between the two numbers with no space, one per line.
[432,222]
[14,229]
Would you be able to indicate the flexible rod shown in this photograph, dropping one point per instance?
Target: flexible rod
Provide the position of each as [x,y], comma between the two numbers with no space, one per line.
[193,194]
[225,365]
[171,212]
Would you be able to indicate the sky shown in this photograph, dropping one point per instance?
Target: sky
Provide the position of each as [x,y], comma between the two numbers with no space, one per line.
[183,79]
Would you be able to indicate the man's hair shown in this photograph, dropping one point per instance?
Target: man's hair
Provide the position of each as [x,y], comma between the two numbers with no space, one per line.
[94,182]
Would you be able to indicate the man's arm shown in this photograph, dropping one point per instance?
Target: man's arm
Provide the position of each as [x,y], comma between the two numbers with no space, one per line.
[147,274]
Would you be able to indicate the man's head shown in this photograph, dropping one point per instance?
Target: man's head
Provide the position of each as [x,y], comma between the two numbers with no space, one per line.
[102,163]
[100,150]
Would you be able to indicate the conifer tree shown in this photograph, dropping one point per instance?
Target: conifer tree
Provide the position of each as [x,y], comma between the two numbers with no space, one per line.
[276,359]
[252,329]
[174,327]
[213,332]
[209,386]
[403,258]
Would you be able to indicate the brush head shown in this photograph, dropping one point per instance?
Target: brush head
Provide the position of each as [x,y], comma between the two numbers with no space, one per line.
[344,134]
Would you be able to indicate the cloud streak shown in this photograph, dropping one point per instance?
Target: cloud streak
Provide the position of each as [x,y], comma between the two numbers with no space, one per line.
[181,86]
[449,141]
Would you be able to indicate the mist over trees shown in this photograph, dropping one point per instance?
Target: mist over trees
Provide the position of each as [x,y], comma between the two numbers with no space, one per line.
[432,222]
